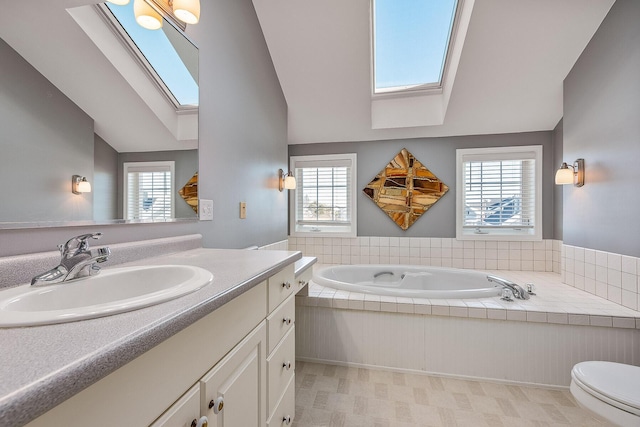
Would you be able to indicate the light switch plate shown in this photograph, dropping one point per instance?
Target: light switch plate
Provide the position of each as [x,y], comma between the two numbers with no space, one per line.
[243,210]
[206,209]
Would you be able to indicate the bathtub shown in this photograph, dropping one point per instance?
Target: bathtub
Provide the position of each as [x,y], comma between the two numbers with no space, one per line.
[407,281]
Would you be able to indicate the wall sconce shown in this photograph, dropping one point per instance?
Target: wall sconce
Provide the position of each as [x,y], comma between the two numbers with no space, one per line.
[286,182]
[79,185]
[573,174]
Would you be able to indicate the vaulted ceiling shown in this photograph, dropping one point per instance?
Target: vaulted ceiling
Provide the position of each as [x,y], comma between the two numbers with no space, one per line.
[515,57]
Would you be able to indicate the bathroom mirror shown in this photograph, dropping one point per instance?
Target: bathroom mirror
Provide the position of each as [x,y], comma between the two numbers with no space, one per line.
[77,98]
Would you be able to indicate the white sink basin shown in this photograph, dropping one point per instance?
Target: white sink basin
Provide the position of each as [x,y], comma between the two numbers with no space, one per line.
[112,291]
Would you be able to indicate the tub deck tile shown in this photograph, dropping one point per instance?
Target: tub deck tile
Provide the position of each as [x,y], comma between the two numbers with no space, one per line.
[554,302]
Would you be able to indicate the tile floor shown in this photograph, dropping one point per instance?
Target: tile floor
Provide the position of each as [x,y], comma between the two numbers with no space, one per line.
[328,395]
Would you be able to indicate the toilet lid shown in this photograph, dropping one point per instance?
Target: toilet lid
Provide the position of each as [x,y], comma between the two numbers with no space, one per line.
[615,383]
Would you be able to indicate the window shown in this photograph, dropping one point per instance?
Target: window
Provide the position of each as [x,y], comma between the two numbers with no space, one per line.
[499,193]
[148,190]
[410,43]
[169,57]
[325,199]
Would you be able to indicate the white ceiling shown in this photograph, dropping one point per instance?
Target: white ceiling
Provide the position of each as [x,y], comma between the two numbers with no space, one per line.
[515,58]
[47,36]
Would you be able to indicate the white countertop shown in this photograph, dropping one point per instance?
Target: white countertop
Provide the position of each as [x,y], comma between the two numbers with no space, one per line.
[44,365]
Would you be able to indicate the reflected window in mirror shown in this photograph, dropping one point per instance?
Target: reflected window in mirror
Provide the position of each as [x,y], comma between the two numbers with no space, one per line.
[148,191]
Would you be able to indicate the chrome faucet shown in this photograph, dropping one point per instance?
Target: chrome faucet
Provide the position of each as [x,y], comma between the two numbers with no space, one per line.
[518,291]
[77,261]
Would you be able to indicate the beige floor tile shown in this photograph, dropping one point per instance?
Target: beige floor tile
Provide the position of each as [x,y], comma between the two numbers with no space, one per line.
[338,396]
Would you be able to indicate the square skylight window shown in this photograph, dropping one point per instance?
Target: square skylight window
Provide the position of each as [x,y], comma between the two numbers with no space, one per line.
[410,43]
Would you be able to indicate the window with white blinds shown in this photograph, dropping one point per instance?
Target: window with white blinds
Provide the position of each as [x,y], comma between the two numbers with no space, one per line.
[148,190]
[499,193]
[324,198]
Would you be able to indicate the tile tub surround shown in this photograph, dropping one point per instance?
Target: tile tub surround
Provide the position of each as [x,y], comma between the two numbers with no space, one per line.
[43,366]
[611,276]
[534,341]
[438,252]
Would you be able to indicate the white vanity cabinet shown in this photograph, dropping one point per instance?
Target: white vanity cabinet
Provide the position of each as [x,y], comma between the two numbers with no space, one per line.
[184,413]
[281,348]
[235,366]
[233,392]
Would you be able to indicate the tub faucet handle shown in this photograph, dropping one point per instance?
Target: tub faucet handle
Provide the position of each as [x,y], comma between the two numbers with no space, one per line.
[531,288]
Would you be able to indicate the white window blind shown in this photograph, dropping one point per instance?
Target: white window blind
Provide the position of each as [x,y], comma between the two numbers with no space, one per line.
[500,191]
[149,190]
[324,196]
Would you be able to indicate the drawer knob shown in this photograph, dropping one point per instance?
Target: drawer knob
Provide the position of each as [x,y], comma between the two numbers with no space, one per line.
[286,420]
[286,285]
[202,422]
[217,405]
[286,365]
[286,321]
[302,283]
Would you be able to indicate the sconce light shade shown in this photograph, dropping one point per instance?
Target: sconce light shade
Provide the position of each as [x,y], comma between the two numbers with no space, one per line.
[146,16]
[573,174]
[187,11]
[287,181]
[119,2]
[79,185]
[290,182]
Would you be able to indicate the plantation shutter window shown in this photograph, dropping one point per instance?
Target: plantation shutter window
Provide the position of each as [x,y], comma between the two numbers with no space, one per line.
[325,194]
[148,190]
[499,193]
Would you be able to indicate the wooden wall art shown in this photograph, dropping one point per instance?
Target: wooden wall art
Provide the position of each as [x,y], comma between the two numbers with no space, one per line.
[405,189]
[190,192]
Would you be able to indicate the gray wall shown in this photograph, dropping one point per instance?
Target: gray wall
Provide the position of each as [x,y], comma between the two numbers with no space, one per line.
[243,128]
[439,155]
[602,125]
[39,124]
[558,189]
[186,164]
[242,133]
[105,181]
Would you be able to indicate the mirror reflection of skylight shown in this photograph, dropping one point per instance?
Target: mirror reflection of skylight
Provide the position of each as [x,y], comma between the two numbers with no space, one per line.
[161,55]
[411,38]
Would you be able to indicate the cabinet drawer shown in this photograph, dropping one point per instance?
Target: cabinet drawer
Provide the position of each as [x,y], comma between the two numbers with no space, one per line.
[285,411]
[280,322]
[183,412]
[281,285]
[302,281]
[280,369]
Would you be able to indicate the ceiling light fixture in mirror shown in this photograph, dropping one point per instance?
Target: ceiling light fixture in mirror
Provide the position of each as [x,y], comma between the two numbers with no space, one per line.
[169,57]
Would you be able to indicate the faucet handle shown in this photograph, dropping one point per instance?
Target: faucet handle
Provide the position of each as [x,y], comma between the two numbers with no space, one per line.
[79,243]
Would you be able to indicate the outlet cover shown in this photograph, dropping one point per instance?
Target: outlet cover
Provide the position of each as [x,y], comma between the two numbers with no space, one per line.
[206,210]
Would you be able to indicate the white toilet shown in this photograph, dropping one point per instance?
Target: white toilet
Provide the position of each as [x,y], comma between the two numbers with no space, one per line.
[611,391]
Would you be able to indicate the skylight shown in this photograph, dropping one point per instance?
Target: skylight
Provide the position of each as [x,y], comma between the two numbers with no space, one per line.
[411,39]
[164,58]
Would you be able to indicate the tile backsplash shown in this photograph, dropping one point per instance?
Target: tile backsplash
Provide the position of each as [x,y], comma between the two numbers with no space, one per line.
[440,252]
[608,275]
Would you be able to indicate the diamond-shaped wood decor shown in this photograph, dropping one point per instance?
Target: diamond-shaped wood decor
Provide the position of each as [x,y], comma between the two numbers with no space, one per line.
[190,192]
[405,189]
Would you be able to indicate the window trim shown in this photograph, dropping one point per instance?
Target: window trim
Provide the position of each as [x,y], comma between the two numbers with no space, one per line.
[138,56]
[170,164]
[326,231]
[499,153]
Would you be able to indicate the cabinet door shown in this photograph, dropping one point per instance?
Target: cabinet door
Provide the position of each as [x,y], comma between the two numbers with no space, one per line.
[182,413]
[234,391]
